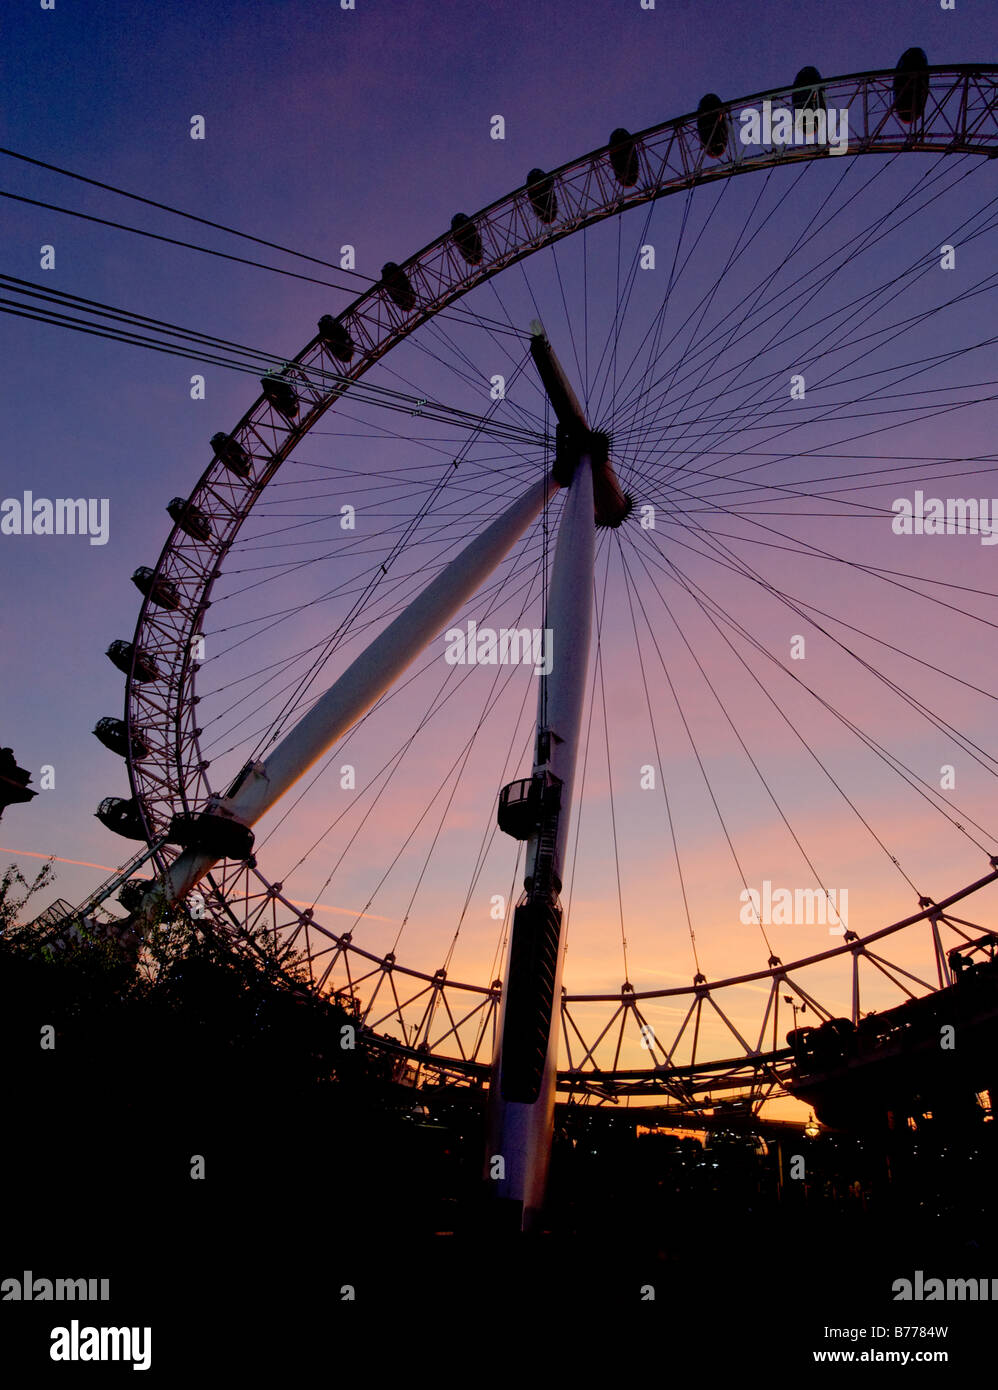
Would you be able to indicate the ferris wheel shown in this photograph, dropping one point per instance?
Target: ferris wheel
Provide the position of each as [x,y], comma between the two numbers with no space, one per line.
[544,654]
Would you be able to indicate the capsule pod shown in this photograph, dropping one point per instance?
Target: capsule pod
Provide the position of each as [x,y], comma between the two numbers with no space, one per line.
[232,454]
[398,286]
[624,157]
[157,588]
[132,891]
[467,238]
[712,125]
[809,92]
[281,395]
[122,816]
[211,833]
[113,733]
[120,652]
[911,85]
[191,520]
[336,338]
[542,195]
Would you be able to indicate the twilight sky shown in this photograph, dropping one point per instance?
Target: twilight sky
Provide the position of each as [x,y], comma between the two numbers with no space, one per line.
[371,128]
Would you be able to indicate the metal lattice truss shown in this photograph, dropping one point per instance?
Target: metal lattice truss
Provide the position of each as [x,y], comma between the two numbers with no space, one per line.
[433,1015]
[612,1047]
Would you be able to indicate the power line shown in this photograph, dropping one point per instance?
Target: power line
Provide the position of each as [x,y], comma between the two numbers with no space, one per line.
[460,315]
[232,356]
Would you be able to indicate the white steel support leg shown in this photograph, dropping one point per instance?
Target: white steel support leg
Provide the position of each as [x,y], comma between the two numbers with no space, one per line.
[520,1130]
[261,784]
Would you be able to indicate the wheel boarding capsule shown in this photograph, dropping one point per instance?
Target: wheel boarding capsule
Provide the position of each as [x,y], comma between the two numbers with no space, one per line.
[809,92]
[911,85]
[113,733]
[542,195]
[281,395]
[712,125]
[467,238]
[122,815]
[212,834]
[157,588]
[231,453]
[191,520]
[624,157]
[336,338]
[132,892]
[398,287]
[146,668]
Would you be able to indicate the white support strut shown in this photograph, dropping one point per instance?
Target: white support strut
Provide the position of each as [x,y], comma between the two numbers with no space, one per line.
[362,683]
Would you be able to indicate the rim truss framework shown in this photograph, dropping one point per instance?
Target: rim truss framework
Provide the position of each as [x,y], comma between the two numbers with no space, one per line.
[451,1025]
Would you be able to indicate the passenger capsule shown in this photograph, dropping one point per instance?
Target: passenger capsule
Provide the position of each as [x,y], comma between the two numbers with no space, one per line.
[122,816]
[809,92]
[132,892]
[232,454]
[146,669]
[542,195]
[212,834]
[467,238]
[113,733]
[281,395]
[398,286]
[911,85]
[157,588]
[624,157]
[191,520]
[336,338]
[712,125]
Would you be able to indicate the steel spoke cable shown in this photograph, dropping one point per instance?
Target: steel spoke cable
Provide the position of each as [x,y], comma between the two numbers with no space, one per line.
[742,411]
[344,625]
[673,570]
[484,594]
[835,412]
[609,767]
[857,306]
[808,547]
[737,249]
[393,765]
[357,545]
[609,372]
[742,568]
[741,741]
[966,744]
[373,620]
[628,582]
[569,877]
[439,700]
[283,665]
[446,524]
[925,789]
[846,253]
[703,773]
